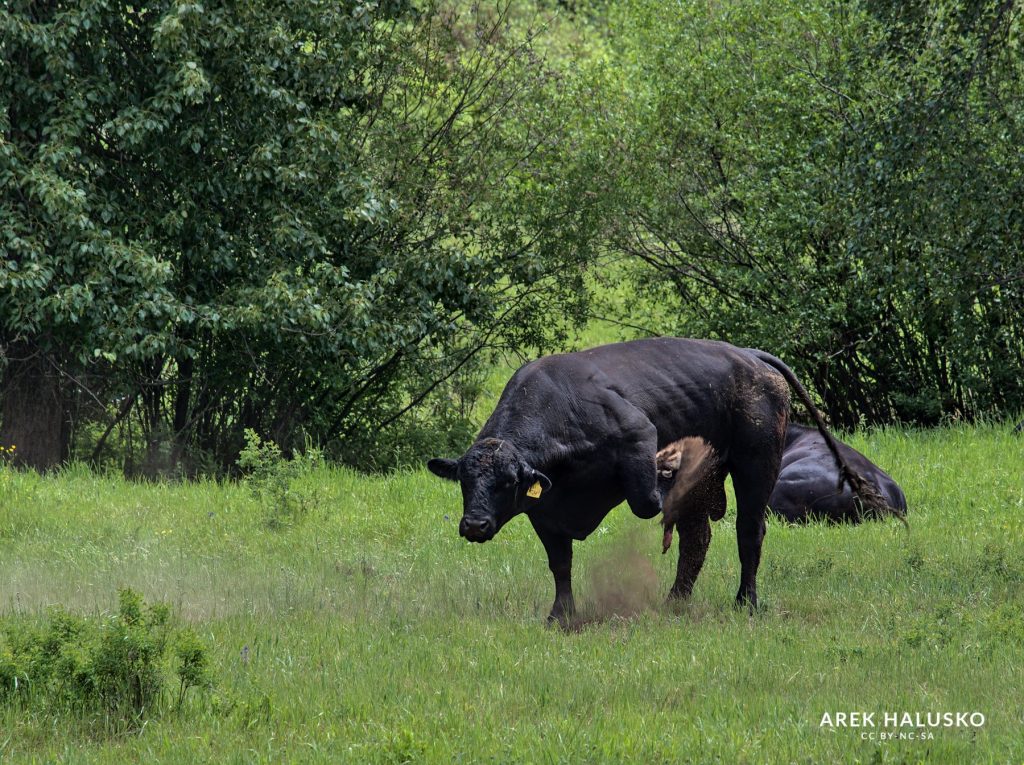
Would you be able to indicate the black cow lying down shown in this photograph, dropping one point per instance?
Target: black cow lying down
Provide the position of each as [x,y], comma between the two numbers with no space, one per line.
[575,434]
[809,487]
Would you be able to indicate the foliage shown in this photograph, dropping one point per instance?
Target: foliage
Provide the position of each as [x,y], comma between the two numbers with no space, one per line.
[832,184]
[114,670]
[271,478]
[298,218]
[321,219]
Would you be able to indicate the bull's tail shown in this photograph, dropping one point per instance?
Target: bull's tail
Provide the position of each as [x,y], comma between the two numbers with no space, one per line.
[865,493]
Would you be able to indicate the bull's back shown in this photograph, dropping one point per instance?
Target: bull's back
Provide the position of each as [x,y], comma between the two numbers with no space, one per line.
[683,386]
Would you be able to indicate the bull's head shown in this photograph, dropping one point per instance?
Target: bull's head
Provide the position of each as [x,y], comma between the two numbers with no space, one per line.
[497,484]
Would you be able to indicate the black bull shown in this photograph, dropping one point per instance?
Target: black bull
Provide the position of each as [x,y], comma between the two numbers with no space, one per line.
[575,434]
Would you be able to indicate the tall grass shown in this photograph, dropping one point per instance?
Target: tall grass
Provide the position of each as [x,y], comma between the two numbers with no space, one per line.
[369,632]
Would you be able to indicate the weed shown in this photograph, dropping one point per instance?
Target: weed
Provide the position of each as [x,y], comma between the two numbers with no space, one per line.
[272,477]
[193,666]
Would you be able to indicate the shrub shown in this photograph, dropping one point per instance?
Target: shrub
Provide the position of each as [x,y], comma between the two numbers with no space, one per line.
[115,669]
[271,479]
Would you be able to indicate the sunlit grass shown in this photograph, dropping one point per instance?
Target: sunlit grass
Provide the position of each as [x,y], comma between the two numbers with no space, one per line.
[369,632]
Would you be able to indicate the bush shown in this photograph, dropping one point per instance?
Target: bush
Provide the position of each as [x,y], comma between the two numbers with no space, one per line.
[302,217]
[271,479]
[829,182]
[116,669]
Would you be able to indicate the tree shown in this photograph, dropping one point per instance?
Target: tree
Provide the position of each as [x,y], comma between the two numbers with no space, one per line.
[832,186]
[295,217]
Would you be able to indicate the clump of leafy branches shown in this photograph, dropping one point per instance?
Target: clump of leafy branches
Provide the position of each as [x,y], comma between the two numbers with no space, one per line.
[830,182]
[304,218]
[116,672]
[271,477]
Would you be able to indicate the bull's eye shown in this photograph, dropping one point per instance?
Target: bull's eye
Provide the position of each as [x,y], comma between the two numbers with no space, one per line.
[665,473]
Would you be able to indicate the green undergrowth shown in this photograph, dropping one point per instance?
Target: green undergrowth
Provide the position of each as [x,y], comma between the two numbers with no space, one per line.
[368,632]
[111,673]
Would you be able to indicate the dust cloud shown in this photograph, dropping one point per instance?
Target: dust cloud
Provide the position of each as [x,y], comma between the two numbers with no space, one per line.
[621,580]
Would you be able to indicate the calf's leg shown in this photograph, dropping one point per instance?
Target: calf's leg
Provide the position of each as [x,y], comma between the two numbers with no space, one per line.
[694,539]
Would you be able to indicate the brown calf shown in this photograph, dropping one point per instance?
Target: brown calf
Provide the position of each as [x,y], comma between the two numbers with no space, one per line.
[690,477]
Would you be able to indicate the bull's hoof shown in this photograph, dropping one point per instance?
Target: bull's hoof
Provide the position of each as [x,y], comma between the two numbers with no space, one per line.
[569,622]
[557,620]
[677,601]
[677,594]
[562,615]
[748,599]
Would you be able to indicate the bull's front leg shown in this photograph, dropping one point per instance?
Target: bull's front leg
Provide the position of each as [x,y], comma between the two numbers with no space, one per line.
[639,474]
[559,550]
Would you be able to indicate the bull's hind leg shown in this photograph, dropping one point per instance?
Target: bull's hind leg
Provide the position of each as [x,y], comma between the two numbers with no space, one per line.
[753,479]
[750,529]
[694,539]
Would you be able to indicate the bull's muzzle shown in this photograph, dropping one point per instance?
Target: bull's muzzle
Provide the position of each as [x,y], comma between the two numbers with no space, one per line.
[477,528]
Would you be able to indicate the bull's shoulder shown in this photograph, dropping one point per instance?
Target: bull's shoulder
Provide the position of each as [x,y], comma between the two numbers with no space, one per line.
[559,407]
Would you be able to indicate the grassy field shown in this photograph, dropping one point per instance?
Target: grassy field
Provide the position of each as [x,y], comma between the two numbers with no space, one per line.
[369,632]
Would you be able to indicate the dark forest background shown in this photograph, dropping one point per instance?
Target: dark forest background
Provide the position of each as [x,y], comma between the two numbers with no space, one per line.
[322,221]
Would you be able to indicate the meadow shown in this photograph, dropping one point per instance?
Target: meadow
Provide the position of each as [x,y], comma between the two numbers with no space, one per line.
[367,631]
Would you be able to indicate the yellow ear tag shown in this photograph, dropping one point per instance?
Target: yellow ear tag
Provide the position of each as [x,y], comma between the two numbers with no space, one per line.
[534,491]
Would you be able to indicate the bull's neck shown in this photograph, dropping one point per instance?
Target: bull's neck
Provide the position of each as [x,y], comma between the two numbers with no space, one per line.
[539,452]
[539,437]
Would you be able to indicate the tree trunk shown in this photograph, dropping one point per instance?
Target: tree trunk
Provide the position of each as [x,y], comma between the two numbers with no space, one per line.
[182,423]
[32,411]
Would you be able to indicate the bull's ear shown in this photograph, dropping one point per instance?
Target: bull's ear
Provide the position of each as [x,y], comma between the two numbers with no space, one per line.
[444,468]
[531,476]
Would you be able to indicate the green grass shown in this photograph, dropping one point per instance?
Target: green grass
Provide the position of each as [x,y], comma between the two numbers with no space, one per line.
[369,632]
